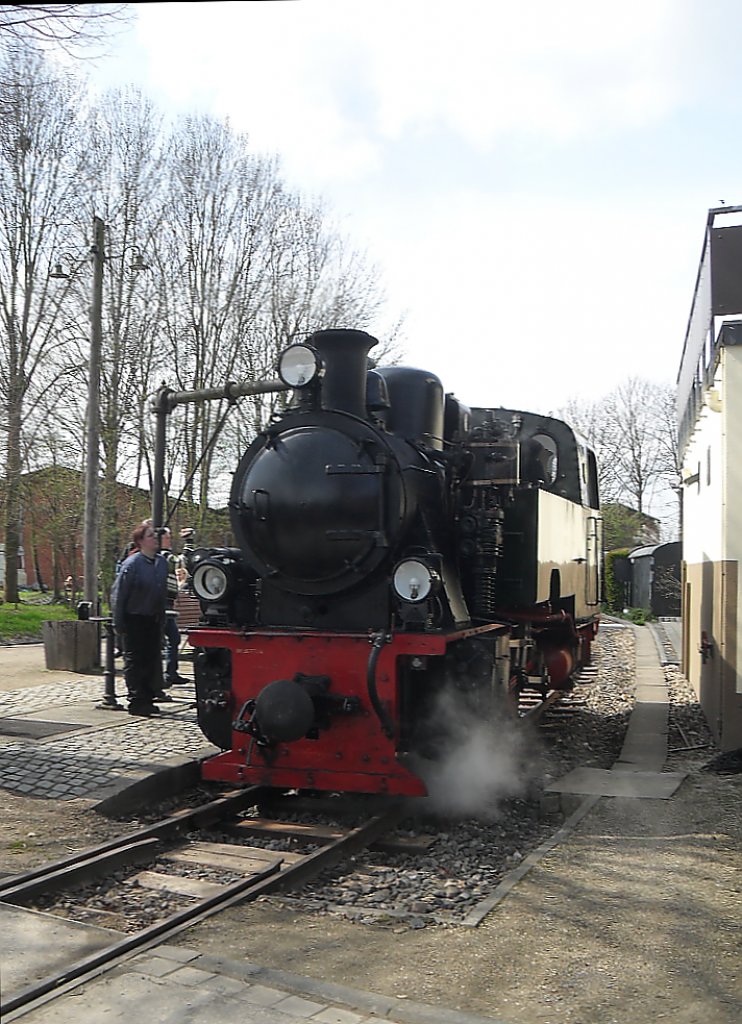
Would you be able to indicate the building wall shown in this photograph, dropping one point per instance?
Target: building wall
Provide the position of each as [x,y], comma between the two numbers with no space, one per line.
[53,525]
[731,415]
[710,610]
[702,475]
[709,409]
[712,551]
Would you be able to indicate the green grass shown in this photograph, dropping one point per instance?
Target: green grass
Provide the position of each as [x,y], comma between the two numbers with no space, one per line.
[22,622]
[639,616]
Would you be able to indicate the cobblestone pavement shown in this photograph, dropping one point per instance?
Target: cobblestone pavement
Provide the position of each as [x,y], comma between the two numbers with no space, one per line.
[98,749]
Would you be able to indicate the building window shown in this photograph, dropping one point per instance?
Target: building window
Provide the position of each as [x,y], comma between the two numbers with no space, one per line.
[708,466]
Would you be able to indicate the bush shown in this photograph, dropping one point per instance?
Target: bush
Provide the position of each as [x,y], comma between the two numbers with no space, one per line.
[615,591]
[639,616]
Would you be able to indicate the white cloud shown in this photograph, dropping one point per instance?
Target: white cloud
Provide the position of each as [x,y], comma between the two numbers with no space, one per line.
[483,69]
[520,292]
[519,302]
[328,82]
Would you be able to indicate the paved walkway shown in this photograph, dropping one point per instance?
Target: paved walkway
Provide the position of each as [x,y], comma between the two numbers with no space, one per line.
[177,985]
[83,748]
[81,751]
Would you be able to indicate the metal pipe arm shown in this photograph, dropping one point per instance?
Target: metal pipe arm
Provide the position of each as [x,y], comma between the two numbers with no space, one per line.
[165,400]
[163,404]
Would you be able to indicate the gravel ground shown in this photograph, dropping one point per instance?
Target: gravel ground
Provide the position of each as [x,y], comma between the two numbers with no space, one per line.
[498,818]
[634,918]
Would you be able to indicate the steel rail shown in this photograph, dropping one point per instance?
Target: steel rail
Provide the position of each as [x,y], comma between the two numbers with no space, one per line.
[33,881]
[268,880]
[534,713]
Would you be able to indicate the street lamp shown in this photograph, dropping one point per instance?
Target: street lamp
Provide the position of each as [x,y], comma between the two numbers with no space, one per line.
[92,419]
[92,428]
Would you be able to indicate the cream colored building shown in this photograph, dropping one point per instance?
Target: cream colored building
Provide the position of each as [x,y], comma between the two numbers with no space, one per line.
[710,438]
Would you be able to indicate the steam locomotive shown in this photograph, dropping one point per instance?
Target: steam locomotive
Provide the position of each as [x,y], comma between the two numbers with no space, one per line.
[394,547]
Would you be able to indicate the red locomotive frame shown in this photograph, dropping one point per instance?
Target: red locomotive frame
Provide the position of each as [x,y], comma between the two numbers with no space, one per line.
[367,759]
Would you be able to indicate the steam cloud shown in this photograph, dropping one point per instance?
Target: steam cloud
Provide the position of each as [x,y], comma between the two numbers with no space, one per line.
[477,763]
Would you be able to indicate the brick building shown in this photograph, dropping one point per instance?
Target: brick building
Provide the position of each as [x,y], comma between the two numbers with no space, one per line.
[52,527]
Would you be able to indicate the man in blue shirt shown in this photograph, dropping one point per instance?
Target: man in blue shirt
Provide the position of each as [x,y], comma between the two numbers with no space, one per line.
[139,618]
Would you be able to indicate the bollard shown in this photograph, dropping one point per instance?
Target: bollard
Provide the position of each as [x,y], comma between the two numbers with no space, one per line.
[109,703]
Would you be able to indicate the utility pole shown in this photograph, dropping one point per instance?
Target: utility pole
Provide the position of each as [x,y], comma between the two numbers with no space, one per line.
[92,429]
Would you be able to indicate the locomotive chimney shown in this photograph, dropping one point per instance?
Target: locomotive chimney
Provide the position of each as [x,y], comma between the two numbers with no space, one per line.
[344,355]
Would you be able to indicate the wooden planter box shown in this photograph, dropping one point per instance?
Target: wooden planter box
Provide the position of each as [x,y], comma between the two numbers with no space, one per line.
[71,645]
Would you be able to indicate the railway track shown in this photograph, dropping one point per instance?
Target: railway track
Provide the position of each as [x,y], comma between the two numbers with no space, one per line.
[254,871]
[553,707]
[166,857]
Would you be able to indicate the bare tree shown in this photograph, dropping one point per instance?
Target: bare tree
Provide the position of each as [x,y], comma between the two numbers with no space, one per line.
[38,185]
[124,163]
[68,26]
[213,253]
[669,454]
[239,267]
[316,280]
[593,422]
[632,431]
[634,455]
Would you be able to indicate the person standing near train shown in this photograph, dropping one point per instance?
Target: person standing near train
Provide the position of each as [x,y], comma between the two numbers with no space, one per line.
[139,618]
[172,633]
[188,537]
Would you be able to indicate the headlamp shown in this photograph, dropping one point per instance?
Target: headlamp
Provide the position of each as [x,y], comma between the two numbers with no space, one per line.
[298,366]
[413,580]
[210,581]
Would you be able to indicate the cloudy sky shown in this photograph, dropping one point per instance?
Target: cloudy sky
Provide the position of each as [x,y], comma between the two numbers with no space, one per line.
[532,178]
